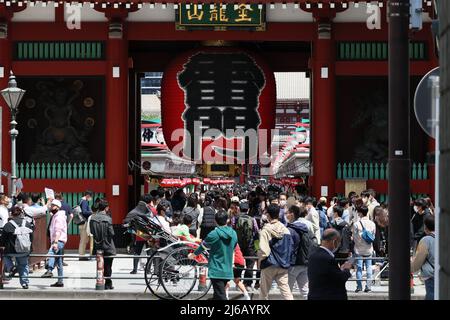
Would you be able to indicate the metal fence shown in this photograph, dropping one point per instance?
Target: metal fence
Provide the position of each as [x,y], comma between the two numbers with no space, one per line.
[100,278]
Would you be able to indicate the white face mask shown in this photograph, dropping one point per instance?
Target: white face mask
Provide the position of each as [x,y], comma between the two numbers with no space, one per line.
[282,203]
[9,205]
[416,209]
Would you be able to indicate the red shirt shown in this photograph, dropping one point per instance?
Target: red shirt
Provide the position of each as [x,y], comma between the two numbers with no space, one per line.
[153,210]
[238,256]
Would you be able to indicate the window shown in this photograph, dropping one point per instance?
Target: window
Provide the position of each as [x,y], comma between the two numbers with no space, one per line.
[151,83]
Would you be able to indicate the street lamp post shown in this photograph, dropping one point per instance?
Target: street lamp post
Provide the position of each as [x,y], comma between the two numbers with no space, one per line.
[12,96]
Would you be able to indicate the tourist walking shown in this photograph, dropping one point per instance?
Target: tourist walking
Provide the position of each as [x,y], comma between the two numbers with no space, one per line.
[220,243]
[58,238]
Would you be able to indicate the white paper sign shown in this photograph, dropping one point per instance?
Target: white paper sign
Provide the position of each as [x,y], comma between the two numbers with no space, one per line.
[49,193]
[115,190]
[19,184]
[324,191]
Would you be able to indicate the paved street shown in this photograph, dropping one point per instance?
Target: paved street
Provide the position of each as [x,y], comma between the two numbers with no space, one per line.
[133,286]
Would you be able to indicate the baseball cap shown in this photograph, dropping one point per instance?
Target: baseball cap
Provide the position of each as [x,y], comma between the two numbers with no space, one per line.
[244,206]
[56,203]
[235,199]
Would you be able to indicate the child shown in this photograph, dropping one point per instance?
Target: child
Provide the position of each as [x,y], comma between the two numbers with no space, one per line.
[182,230]
[239,265]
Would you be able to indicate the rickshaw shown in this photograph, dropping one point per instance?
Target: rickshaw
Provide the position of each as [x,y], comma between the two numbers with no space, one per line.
[169,273]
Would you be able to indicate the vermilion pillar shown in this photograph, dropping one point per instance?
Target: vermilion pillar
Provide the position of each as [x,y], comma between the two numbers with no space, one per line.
[323,111]
[116,148]
[5,63]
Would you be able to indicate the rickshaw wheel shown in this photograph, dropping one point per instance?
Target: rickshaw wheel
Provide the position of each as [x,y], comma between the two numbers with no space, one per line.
[179,275]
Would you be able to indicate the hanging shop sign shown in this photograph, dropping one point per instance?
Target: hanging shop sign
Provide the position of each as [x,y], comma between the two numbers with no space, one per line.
[152,136]
[221,16]
[218,105]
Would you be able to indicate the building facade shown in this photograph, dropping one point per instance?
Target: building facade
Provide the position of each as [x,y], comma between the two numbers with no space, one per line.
[82,65]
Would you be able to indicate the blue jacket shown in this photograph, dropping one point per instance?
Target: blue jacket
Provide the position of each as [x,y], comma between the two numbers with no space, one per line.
[85,208]
[275,242]
[323,220]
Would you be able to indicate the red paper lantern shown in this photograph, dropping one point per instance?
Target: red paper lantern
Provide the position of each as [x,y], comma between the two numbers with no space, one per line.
[180,100]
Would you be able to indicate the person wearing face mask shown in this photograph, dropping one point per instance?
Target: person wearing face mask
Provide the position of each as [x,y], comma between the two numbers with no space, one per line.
[363,248]
[4,213]
[282,200]
[322,210]
[421,211]
[58,238]
[326,279]
[368,197]
[19,253]
[313,217]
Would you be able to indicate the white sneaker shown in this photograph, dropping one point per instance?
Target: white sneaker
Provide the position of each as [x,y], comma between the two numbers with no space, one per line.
[247,296]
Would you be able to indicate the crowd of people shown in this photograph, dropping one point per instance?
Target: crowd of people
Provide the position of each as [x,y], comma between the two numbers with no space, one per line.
[255,236]
[17,225]
[277,232]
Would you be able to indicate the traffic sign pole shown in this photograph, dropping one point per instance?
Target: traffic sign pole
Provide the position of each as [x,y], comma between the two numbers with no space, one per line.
[435,95]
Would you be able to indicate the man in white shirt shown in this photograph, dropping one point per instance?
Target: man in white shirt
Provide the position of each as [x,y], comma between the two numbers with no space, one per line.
[369,201]
[34,211]
[313,216]
[4,214]
[160,218]
[363,248]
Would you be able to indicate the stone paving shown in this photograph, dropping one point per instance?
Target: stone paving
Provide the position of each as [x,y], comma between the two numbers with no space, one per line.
[134,287]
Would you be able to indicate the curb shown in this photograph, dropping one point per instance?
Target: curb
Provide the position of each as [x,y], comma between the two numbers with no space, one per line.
[20,294]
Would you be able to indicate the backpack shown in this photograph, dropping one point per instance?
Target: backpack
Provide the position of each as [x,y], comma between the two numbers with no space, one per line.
[30,220]
[193,213]
[306,244]
[208,217]
[23,241]
[366,235]
[280,253]
[78,217]
[346,238]
[244,230]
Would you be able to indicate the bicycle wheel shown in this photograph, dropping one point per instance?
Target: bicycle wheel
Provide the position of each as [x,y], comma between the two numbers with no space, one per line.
[151,274]
[179,276]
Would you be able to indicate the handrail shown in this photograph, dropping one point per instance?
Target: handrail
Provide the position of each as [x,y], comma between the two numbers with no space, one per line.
[100,278]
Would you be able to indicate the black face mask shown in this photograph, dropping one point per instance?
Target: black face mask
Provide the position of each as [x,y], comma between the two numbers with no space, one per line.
[55,211]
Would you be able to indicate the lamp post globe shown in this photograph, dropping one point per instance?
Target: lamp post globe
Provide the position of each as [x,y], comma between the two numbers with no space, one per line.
[12,96]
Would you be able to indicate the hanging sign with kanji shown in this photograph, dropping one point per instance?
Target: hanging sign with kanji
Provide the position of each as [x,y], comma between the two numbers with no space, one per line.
[220,16]
[152,136]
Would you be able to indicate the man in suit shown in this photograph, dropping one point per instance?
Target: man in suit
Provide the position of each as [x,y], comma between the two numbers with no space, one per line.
[326,279]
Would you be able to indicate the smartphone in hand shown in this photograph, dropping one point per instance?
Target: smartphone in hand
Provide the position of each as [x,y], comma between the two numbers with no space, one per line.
[351,260]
